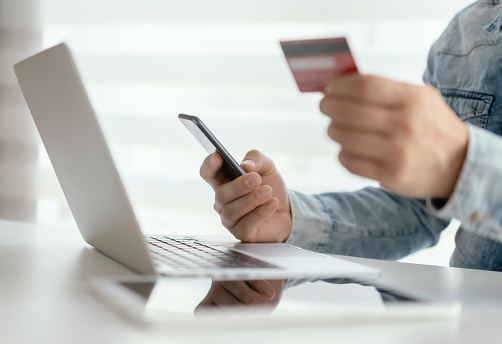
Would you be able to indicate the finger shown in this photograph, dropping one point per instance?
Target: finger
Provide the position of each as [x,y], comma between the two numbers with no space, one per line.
[362,143]
[357,115]
[221,296]
[233,211]
[227,191]
[246,229]
[255,161]
[367,88]
[263,287]
[211,171]
[233,190]
[244,293]
[360,166]
[207,301]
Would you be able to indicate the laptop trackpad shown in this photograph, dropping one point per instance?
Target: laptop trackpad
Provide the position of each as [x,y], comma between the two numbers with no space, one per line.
[272,250]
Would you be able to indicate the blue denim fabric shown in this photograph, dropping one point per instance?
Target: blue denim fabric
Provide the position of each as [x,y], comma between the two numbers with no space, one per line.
[465,65]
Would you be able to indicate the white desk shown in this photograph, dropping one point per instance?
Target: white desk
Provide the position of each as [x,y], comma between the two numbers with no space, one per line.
[44,299]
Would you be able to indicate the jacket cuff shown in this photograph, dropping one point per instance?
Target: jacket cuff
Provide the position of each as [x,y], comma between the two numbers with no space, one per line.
[477,197]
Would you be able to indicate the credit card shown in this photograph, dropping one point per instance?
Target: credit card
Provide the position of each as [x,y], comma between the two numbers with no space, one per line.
[314,62]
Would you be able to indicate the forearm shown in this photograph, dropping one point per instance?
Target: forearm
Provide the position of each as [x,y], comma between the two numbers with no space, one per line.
[371,223]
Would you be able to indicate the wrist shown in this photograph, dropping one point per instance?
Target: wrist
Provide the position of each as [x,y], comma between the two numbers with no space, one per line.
[452,165]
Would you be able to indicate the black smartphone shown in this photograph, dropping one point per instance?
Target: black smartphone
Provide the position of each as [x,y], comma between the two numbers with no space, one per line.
[211,144]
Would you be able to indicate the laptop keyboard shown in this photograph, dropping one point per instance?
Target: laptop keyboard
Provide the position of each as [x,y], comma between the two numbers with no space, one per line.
[187,253]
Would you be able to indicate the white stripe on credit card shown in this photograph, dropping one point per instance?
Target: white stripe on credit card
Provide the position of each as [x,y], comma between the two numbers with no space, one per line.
[312,63]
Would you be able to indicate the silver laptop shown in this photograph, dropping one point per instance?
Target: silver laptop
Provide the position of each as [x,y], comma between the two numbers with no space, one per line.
[77,148]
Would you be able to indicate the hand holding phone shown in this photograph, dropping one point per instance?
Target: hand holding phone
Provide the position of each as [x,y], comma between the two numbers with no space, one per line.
[211,144]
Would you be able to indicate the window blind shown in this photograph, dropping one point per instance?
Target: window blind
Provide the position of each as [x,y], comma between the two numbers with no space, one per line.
[20,36]
[146,61]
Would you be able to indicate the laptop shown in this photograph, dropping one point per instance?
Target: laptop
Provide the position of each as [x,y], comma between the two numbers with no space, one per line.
[76,145]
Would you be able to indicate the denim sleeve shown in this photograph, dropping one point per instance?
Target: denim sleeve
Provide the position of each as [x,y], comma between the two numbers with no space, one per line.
[477,198]
[371,223]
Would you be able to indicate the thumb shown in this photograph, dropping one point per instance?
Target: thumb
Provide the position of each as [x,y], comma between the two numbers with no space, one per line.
[255,161]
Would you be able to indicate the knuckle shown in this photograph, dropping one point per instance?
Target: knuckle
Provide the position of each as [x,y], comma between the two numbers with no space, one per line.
[217,208]
[349,162]
[406,126]
[329,131]
[246,237]
[225,213]
[251,201]
[205,170]
[247,233]
[254,152]
[226,223]
[260,212]
[400,153]
[217,292]
[247,298]
[332,108]
[335,133]
[323,106]
[396,175]
[205,175]
[218,202]
[366,85]
[227,217]
[343,157]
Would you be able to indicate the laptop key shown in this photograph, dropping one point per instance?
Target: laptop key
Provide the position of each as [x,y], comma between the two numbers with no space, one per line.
[189,253]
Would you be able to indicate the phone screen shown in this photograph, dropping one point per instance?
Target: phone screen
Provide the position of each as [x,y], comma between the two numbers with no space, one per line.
[211,144]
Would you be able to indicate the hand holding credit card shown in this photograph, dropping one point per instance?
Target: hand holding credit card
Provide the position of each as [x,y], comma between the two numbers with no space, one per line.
[314,62]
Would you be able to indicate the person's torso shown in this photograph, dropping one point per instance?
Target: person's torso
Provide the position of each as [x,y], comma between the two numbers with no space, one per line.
[465,65]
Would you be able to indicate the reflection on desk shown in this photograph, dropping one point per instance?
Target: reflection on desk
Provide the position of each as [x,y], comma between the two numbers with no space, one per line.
[45,299]
[337,300]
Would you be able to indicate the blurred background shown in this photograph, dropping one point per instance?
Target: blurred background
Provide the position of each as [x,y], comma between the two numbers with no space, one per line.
[145,61]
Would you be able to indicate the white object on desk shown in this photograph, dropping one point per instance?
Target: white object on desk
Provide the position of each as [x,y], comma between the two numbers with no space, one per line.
[44,298]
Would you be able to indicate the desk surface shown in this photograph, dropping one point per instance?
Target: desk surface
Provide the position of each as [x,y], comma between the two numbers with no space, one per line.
[44,298]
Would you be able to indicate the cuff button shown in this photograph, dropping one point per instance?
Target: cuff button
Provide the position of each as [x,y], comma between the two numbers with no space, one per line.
[476,217]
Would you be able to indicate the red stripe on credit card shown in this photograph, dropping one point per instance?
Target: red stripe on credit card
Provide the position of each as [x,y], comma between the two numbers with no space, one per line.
[314,62]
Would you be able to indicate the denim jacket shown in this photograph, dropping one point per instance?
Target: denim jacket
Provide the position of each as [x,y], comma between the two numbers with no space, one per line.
[465,66]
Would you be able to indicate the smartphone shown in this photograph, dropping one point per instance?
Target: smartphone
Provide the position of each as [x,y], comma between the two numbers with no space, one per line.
[211,144]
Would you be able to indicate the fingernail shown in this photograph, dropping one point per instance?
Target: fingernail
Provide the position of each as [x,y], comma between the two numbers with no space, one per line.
[212,160]
[259,303]
[263,192]
[268,293]
[270,204]
[249,162]
[252,181]
[327,90]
